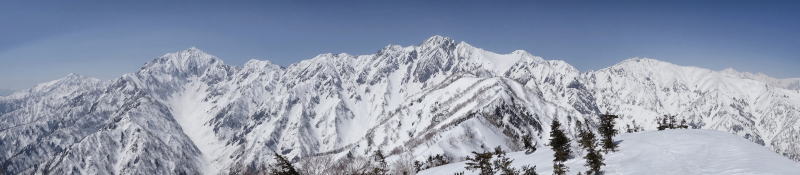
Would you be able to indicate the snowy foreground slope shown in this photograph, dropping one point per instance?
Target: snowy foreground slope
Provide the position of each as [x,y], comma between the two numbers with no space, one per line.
[189,112]
[681,152]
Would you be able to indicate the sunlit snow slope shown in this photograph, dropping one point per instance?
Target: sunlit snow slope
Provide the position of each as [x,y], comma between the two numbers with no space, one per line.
[681,152]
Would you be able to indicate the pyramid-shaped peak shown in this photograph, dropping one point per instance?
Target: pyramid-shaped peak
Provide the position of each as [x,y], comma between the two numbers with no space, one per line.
[190,54]
[191,60]
[436,40]
[194,50]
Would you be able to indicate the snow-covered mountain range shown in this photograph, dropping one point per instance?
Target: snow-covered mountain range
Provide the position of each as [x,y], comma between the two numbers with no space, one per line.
[188,112]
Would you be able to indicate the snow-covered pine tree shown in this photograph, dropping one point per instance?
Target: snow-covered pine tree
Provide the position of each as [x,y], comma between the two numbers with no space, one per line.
[560,145]
[594,160]
[673,123]
[628,128]
[528,145]
[283,166]
[502,164]
[528,170]
[481,162]
[637,127]
[608,131]
[418,166]
[662,123]
[381,166]
[683,124]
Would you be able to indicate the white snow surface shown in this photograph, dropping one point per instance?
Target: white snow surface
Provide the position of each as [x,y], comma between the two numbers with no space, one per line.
[191,112]
[679,152]
[188,112]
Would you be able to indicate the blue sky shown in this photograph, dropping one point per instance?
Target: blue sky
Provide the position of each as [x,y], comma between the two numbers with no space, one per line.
[45,40]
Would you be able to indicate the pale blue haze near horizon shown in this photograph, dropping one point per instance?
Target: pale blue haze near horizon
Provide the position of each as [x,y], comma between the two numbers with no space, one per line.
[46,40]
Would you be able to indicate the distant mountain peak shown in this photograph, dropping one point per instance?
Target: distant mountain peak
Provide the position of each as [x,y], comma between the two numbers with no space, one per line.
[786,83]
[521,52]
[70,82]
[437,41]
[191,60]
[190,53]
[75,77]
[642,60]
[194,48]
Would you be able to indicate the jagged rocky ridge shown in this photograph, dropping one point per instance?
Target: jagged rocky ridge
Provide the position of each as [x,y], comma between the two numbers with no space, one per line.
[188,112]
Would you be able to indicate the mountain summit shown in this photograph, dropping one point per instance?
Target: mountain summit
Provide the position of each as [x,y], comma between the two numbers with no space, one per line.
[189,113]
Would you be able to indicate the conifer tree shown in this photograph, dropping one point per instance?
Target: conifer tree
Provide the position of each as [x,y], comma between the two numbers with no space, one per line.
[683,124]
[662,123]
[528,145]
[672,122]
[382,167]
[417,166]
[502,164]
[637,127]
[628,128]
[594,160]
[481,162]
[559,168]
[430,161]
[607,131]
[528,170]
[439,160]
[349,155]
[560,145]
[283,166]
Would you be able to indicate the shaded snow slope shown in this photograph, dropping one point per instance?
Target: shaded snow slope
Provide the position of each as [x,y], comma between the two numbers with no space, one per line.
[681,152]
